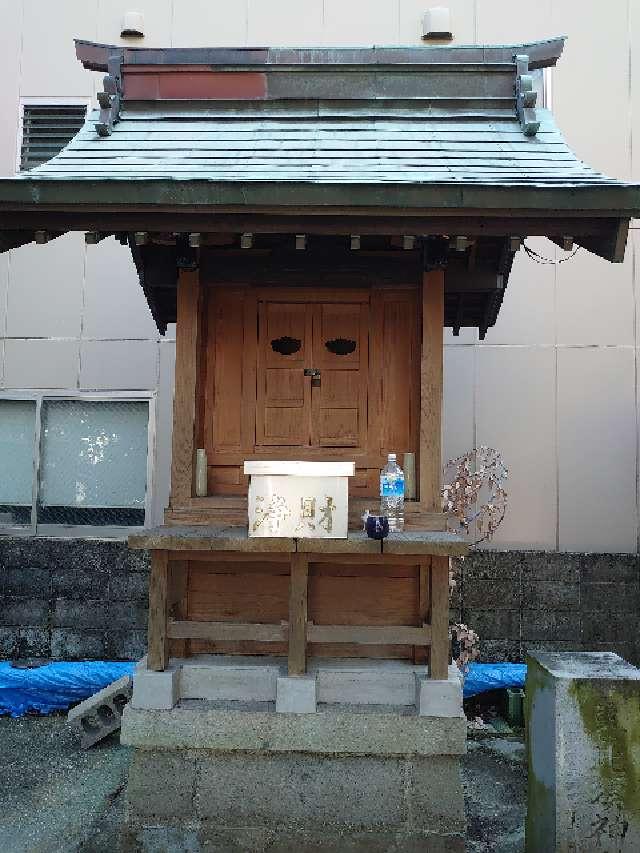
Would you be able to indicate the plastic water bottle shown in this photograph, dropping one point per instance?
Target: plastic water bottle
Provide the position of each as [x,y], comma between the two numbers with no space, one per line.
[392,493]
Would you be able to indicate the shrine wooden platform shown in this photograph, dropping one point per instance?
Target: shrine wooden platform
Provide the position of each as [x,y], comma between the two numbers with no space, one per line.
[354,597]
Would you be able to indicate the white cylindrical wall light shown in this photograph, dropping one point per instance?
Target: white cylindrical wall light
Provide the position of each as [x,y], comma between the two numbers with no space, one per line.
[436,24]
[132,25]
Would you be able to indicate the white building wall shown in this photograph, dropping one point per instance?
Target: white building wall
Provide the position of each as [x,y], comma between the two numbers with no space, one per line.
[554,384]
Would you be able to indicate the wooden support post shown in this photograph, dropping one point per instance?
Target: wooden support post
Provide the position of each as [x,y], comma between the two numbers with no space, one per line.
[184,401]
[440,655]
[178,585]
[431,390]
[298,614]
[158,652]
[420,653]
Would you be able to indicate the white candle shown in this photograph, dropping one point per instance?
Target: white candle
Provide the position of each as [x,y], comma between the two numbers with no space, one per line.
[201,473]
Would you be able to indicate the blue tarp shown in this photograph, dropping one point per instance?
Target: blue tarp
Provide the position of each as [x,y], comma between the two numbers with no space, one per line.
[480,677]
[55,686]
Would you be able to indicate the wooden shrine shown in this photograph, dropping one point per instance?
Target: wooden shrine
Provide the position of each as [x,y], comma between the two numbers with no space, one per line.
[311,219]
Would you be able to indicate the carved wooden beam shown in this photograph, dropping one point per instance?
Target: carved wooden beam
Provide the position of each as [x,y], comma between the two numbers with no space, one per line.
[525,96]
[109,100]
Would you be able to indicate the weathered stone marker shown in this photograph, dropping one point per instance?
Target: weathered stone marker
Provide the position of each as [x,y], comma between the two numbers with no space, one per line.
[583,732]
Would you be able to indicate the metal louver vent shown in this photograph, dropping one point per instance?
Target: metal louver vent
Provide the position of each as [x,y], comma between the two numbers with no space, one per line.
[46,129]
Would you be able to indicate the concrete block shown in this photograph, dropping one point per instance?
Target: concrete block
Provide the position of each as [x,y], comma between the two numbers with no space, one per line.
[24,611]
[550,595]
[547,566]
[224,680]
[438,698]
[300,789]
[26,581]
[161,784]
[356,684]
[332,730]
[125,645]
[435,795]
[550,627]
[619,596]
[296,694]
[67,644]
[490,595]
[100,714]
[494,624]
[34,643]
[583,721]
[87,613]
[155,690]
[9,639]
[614,568]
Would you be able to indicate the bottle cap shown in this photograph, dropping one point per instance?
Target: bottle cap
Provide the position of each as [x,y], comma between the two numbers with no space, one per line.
[392,457]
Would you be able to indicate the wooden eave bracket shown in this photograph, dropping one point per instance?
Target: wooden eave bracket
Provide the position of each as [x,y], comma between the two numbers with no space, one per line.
[109,100]
[525,96]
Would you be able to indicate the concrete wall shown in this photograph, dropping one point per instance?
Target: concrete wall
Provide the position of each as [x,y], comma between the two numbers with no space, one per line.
[553,386]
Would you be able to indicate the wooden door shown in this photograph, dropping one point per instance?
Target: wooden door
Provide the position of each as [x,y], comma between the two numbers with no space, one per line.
[260,404]
[339,391]
[283,416]
[312,374]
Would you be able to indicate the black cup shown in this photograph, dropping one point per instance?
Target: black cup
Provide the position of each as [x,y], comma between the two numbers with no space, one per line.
[377,526]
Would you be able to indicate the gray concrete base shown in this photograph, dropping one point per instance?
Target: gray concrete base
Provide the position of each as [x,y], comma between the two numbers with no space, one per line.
[343,778]
[377,802]
[339,759]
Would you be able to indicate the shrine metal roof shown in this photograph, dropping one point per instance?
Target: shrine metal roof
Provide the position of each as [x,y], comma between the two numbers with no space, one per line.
[428,128]
[435,142]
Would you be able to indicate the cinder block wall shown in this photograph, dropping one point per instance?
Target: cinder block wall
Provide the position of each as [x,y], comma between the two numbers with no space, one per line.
[521,601]
[71,599]
[74,599]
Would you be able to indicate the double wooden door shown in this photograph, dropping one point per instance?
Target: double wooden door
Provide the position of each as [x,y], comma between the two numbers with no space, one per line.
[307,373]
[312,375]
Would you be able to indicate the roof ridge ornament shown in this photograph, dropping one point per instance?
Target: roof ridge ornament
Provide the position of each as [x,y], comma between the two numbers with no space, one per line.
[109,100]
[525,96]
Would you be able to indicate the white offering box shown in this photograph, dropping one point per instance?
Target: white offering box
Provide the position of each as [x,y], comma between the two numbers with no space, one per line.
[301,499]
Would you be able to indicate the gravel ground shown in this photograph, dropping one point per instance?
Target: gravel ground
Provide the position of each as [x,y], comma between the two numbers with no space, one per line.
[57,798]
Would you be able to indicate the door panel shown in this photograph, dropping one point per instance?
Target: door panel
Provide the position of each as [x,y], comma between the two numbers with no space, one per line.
[340,352]
[283,416]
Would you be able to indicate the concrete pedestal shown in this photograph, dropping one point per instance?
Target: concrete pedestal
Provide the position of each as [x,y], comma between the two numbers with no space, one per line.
[583,721]
[238,775]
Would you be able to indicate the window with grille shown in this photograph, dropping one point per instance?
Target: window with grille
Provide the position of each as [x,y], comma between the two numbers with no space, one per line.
[78,463]
[46,129]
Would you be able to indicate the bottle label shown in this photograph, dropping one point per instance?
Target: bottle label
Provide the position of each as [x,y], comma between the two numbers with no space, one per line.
[392,486]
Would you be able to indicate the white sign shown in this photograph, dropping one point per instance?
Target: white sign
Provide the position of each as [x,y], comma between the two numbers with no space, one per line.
[296,504]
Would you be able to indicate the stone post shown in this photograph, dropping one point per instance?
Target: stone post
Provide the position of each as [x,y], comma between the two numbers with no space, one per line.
[583,739]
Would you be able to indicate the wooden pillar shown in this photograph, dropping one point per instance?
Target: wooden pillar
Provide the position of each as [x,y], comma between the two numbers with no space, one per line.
[184,401]
[178,584]
[440,655]
[420,653]
[431,390]
[298,614]
[158,651]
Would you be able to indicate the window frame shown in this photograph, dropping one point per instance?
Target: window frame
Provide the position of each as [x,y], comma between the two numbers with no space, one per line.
[45,101]
[82,531]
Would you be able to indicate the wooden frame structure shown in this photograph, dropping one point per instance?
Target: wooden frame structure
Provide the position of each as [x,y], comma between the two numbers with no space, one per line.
[167,622]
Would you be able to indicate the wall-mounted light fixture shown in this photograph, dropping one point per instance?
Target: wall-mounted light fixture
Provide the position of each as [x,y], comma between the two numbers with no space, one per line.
[436,24]
[132,25]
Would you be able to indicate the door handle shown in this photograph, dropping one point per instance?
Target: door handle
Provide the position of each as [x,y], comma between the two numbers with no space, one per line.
[311,371]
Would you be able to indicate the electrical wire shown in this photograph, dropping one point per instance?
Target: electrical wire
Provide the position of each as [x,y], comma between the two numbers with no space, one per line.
[540,259]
